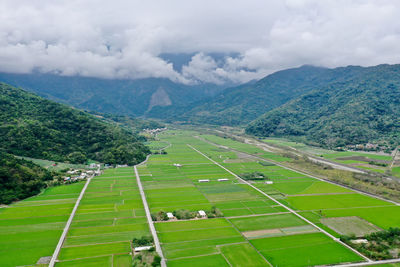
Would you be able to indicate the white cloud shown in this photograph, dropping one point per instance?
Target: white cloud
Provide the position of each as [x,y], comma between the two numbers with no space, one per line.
[124,38]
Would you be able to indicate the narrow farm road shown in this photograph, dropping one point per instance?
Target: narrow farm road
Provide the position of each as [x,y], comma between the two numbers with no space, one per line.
[150,220]
[67,225]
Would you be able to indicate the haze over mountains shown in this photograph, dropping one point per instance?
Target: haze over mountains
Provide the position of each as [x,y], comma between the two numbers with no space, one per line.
[124,97]
[328,106]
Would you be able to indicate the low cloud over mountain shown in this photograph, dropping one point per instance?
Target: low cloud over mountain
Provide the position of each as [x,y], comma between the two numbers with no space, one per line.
[126,39]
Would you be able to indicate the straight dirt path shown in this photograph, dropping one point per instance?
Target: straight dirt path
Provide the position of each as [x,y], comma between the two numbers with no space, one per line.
[66,228]
[284,206]
[150,220]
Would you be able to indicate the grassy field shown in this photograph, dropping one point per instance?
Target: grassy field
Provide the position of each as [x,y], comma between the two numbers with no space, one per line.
[253,230]
[34,225]
[238,239]
[109,216]
[304,250]
[59,165]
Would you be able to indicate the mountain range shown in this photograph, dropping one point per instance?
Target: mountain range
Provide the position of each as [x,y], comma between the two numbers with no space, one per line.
[332,107]
[122,97]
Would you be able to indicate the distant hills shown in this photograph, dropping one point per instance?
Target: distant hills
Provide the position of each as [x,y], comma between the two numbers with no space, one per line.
[35,127]
[122,97]
[361,105]
[332,107]
[242,104]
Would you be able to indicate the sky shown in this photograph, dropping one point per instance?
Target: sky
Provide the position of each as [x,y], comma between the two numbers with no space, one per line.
[253,38]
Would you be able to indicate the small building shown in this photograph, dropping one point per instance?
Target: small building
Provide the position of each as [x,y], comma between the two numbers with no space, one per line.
[177,165]
[223,180]
[67,178]
[204,180]
[170,215]
[359,241]
[202,213]
[269,182]
[93,165]
[138,249]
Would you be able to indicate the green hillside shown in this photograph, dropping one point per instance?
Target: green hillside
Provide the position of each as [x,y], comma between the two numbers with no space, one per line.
[20,178]
[362,109]
[34,127]
[240,105]
[116,96]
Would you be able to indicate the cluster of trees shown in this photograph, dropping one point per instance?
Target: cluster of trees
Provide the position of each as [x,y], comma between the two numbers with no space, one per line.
[253,176]
[183,214]
[381,245]
[145,258]
[20,178]
[34,127]
[143,241]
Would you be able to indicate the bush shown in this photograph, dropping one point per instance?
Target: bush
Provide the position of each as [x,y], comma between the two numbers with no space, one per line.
[254,176]
[143,241]
[156,261]
[183,214]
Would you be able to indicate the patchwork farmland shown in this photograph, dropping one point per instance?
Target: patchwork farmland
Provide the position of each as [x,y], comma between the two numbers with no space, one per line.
[109,216]
[254,229]
[256,212]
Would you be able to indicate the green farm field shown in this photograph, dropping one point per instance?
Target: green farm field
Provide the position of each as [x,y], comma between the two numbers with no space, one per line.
[109,216]
[34,225]
[304,250]
[239,238]
[251,228]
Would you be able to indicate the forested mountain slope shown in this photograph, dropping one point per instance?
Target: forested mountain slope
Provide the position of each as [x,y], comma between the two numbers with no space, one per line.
[117,96]
[39,128]
[364,108]
[20,178]
[242,104]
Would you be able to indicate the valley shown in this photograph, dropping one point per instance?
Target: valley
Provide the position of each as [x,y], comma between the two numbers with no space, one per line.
[248,222]
[199,133]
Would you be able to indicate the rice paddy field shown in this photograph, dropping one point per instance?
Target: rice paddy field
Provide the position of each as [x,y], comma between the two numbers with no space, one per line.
[254,230]
[109,216]
[30,229]
[293,220]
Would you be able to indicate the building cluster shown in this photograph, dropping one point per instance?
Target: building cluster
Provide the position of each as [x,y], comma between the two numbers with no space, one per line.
[201,214]
[365,147]
[80,174]
[154,131]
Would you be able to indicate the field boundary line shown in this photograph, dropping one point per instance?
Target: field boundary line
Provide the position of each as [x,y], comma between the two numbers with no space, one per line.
[149,219]
[287,208]
[368,263]
[303,172]
[67,225]
[248,242]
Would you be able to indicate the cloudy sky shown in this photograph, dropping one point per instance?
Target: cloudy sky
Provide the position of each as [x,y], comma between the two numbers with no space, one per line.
[127,39]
